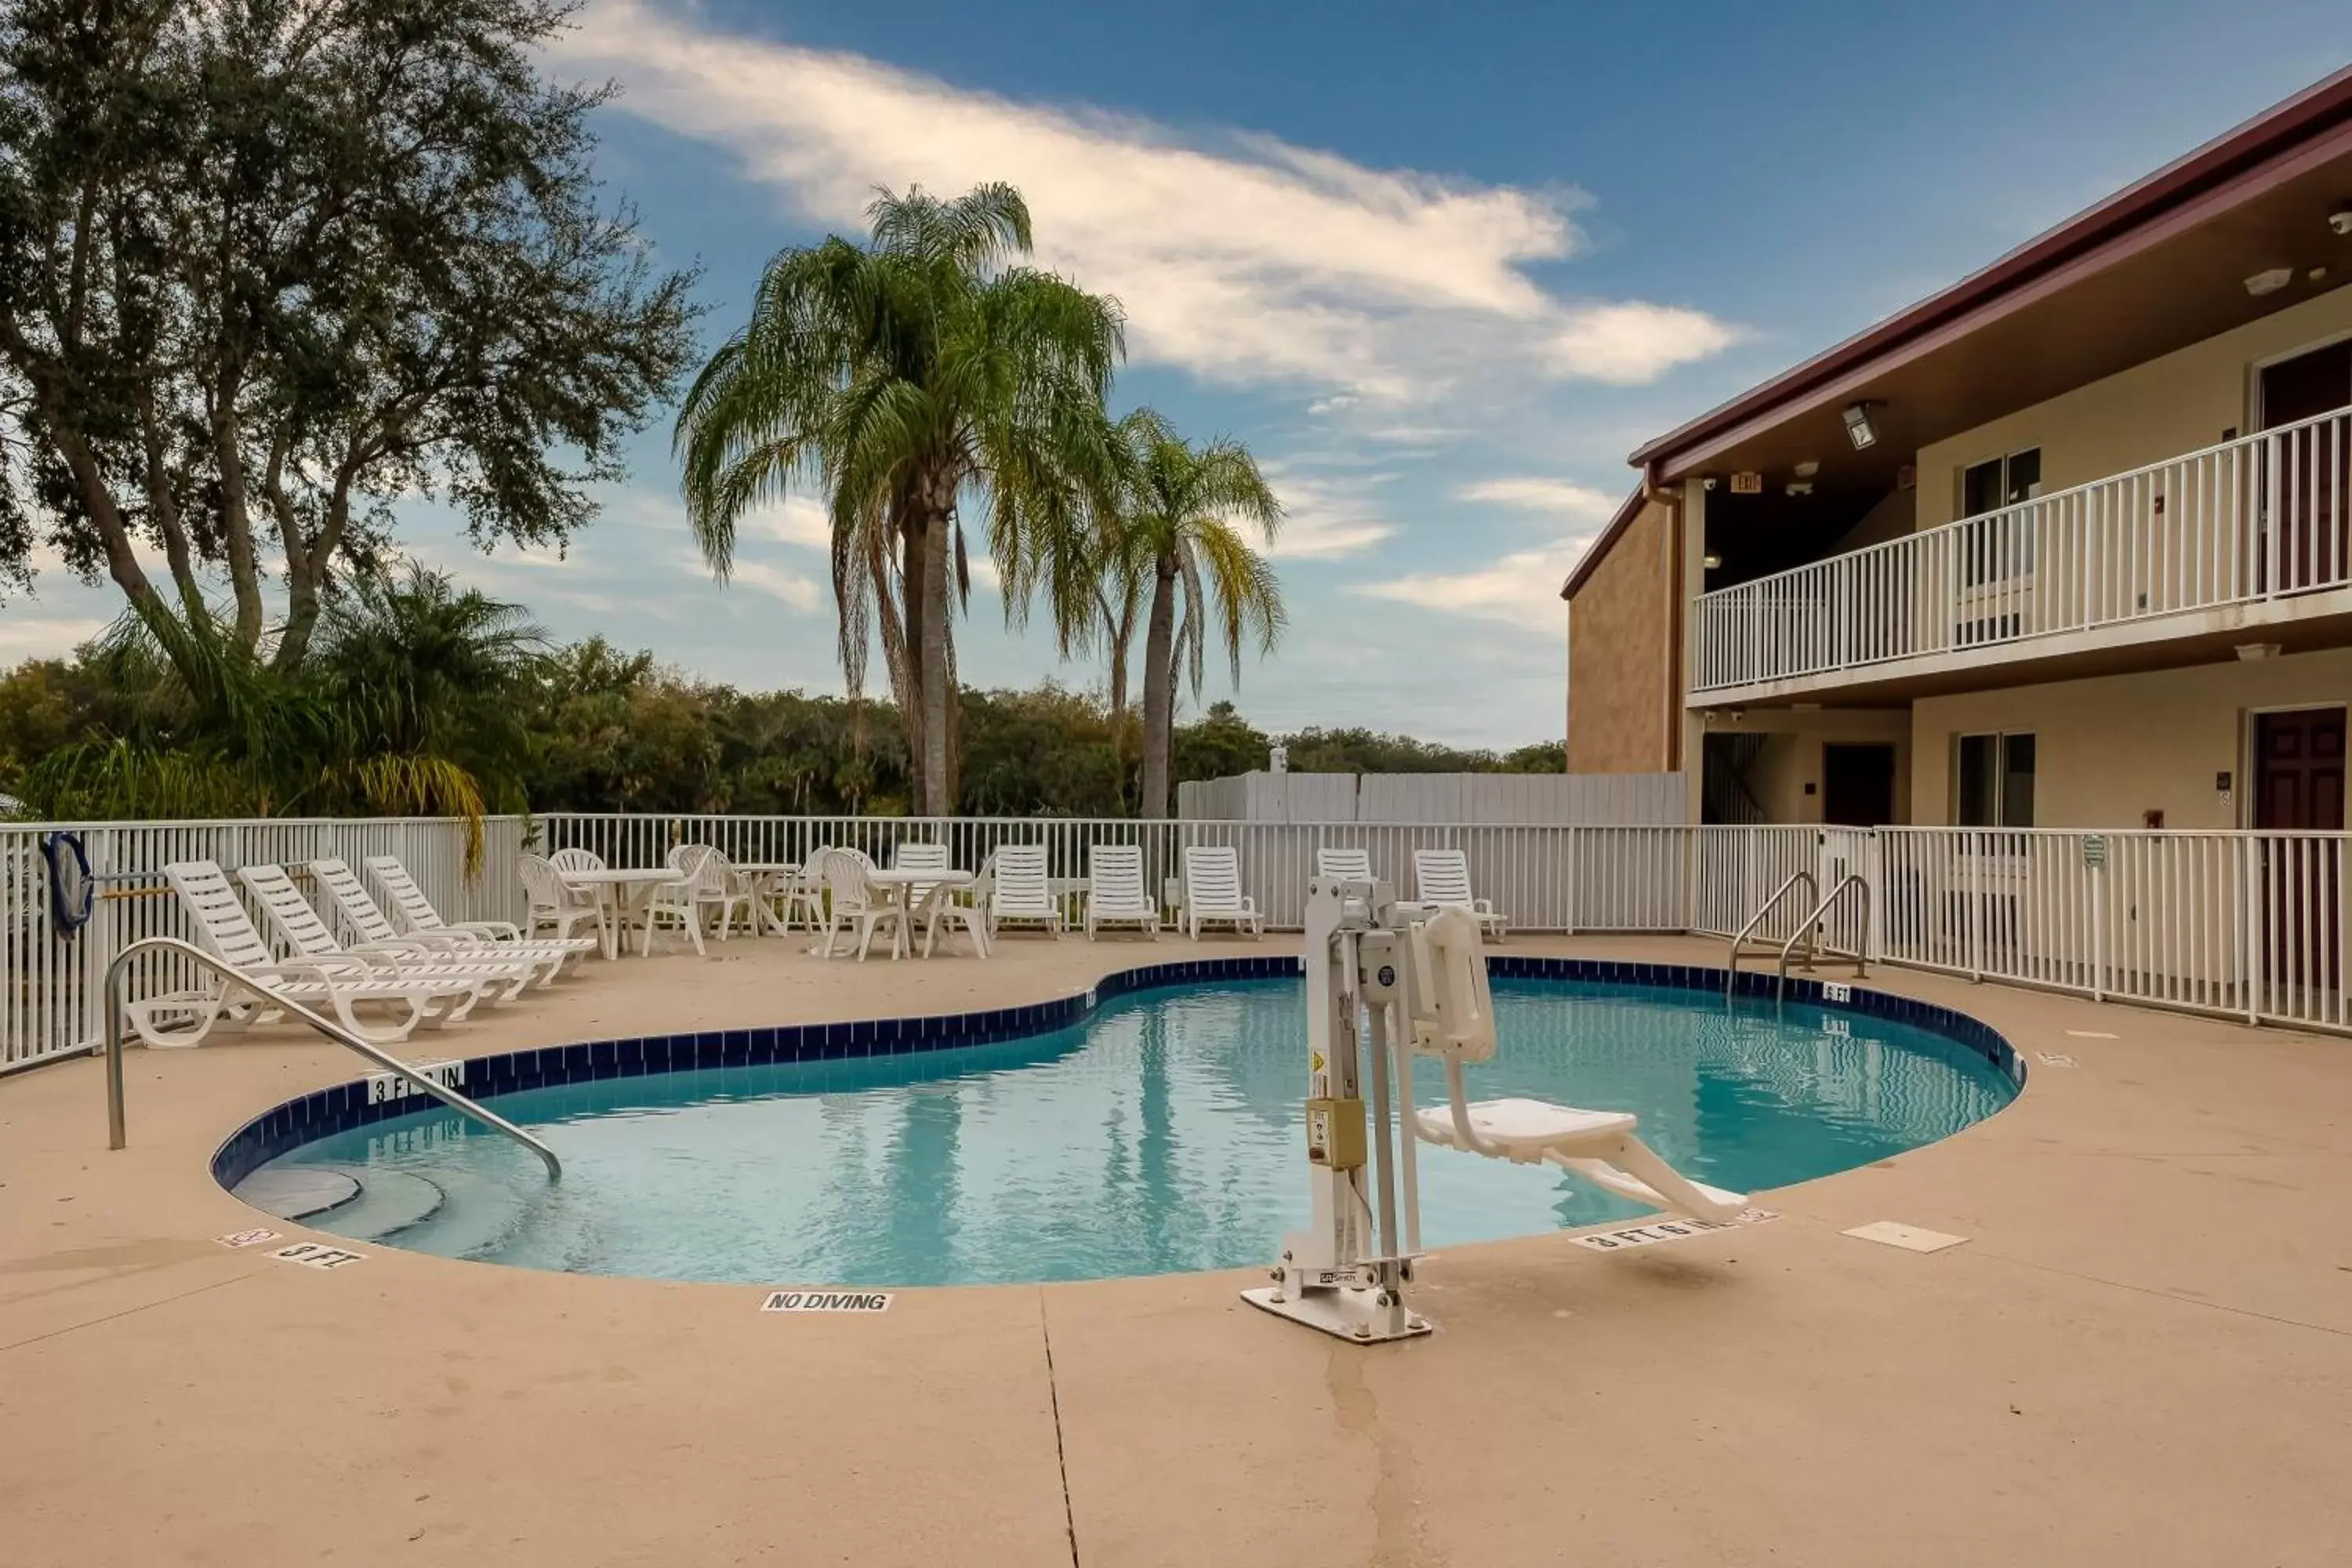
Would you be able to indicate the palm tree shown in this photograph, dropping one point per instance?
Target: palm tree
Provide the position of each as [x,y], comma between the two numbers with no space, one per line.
[905,378]
[1179,532]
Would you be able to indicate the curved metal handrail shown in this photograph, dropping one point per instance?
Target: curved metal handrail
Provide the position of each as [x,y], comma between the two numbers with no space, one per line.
[117,1138]
[1814,919]
[1731,964]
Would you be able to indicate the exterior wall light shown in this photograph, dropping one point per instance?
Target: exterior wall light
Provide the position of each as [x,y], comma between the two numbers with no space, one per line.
[1858,428]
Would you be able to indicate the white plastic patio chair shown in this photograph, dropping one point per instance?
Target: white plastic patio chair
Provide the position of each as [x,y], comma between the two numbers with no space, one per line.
[857,905]
[966,907]
[1115,895]
[1443,877]
[1020,893]
[337,985]
[705,885]
[554,904]
[1344,865]
[360,916]
[297,925]
[804,893]
[1212,891]
[576,860]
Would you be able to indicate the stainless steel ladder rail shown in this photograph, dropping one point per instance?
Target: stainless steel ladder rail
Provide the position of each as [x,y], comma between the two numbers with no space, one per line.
[1731,964]
[116,1136]
[1813,921]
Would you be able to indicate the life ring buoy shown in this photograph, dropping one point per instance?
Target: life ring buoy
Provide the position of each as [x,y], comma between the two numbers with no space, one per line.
[73,892]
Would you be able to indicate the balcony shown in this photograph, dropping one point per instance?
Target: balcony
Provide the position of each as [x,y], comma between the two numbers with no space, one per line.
[2205,546]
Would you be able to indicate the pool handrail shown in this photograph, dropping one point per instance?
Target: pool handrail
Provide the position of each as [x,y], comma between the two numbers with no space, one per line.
[117,1137]
[1814,919]
[1731,964]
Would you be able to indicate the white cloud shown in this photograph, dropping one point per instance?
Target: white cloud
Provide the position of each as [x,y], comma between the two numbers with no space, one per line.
[1530,493]
[1239,257]
[44,636]
[1321,518]
[763,577]
[801,521]
[1522,588]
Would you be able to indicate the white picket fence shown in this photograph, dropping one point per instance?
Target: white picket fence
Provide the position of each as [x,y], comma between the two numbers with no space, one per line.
[2243,925]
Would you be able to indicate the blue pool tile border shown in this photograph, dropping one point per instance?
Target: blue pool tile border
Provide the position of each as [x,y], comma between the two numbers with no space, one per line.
[345,1106]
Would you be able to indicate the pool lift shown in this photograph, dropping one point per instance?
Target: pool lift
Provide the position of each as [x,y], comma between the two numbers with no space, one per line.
[1418,973]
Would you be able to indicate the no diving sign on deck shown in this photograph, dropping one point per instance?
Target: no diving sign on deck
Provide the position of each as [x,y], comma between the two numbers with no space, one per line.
[826,1301]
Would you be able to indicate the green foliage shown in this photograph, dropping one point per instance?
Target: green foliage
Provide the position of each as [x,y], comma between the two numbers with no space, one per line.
[471,709]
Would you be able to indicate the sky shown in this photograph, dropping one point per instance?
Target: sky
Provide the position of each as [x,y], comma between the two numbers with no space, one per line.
[1439,269]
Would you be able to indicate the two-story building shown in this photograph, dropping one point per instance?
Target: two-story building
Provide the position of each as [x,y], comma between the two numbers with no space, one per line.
[2063,545]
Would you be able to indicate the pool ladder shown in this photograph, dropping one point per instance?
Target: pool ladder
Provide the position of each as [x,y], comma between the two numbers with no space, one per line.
[117,1137]
[1808,932]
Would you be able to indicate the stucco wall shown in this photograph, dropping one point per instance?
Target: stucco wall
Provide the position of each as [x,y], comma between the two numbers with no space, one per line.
[1618,631]
[2177,403]
[2107,749]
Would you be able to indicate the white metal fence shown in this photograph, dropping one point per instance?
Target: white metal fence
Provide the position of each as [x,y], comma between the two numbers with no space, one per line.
[49,983]
[2252,518]
[2243,925]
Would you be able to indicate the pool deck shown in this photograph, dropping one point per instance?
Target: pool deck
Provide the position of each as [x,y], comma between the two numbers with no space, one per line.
[2142,1354]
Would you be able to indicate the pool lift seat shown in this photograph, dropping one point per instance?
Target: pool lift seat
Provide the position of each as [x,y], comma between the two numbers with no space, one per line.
[1453,1020]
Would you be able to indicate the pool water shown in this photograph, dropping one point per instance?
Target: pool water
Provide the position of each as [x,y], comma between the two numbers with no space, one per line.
[1161,1133]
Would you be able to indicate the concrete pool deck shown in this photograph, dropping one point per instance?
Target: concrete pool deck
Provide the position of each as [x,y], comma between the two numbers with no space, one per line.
[2142,1354]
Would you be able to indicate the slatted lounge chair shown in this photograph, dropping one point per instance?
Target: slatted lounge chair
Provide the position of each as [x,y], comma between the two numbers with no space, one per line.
[1212,891]
[415,912]
[1115,894]
[1443,877]
[1020,893]
[1344,865]
[364,919]
[858,906]
[299,926]
[336,985]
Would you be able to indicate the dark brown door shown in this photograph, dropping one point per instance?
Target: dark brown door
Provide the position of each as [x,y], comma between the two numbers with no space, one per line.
[2312,464]
[2299,788]
[1857,786]
[2299,770]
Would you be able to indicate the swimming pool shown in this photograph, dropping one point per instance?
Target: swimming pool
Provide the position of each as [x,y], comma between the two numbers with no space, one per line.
[1159,1132]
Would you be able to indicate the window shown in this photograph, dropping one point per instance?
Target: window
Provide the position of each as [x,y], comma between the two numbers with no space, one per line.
[1996,781]
[1999,547]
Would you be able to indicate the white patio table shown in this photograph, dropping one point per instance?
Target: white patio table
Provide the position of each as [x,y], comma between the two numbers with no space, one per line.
[765,881]
[623,891]
[901,883]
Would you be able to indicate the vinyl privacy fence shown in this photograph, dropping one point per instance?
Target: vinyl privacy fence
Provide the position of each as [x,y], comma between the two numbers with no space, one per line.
[2243,925]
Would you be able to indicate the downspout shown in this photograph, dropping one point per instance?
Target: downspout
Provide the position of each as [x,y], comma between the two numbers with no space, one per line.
[1671,498]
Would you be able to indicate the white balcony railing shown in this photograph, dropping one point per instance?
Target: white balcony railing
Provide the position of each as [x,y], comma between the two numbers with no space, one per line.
[2254,519]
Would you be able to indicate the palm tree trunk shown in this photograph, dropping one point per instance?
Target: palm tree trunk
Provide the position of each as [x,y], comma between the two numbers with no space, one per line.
[914,603]
[937,678]
[1159,689]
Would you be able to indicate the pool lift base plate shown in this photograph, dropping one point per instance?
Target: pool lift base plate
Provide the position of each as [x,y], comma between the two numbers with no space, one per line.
[1345,1313]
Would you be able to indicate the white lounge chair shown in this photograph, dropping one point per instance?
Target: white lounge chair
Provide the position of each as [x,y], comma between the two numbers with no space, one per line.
[1115,893]
[299,926]
[1443,877]
[414,912]
[1020,893]
[1344,865]
[1212,891]
[337,986]
[362,916]
[857,905]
